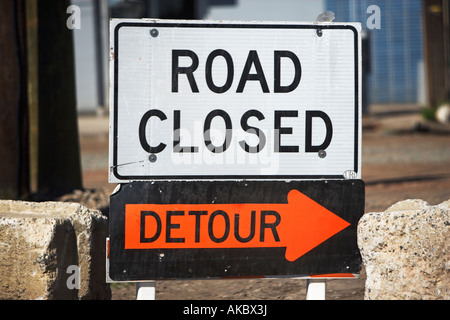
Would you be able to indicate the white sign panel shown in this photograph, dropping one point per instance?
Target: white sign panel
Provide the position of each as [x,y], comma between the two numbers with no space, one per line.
[234,100]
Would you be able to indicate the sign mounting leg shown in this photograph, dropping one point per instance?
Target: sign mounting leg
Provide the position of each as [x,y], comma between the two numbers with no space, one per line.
[315,289]
[146,290]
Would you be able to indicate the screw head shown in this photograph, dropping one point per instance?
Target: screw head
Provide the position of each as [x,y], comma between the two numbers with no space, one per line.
[322,154]
[152,158]
[154,33]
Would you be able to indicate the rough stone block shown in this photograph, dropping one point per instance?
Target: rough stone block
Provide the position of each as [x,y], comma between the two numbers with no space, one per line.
[38,243]
[405,251]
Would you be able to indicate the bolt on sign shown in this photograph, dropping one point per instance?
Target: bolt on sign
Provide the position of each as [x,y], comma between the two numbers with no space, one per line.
[221,100]
[238,149]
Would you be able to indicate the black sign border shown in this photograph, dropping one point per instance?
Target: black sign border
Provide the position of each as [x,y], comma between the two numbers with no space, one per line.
[158,23]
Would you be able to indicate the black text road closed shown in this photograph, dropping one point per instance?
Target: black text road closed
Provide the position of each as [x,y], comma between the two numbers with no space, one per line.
[234,100]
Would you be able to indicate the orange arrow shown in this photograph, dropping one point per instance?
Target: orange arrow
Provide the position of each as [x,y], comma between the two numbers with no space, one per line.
[299,226]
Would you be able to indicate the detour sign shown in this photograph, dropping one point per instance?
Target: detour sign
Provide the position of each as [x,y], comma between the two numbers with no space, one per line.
[215,229]
[299,225]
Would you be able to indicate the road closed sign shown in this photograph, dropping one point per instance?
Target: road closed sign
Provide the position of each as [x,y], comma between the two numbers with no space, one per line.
[234,100]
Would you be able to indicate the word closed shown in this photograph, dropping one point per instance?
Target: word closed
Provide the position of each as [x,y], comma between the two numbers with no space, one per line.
[222,146]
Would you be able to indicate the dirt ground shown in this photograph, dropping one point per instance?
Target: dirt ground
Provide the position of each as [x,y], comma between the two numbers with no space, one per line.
[402,158]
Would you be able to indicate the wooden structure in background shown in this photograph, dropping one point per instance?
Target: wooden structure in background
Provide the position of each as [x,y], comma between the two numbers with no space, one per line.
[39,140]
[13,100]
[437,50]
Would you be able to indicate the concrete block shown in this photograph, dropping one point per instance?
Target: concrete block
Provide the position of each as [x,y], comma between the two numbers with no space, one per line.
[38,244]
[406,251]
